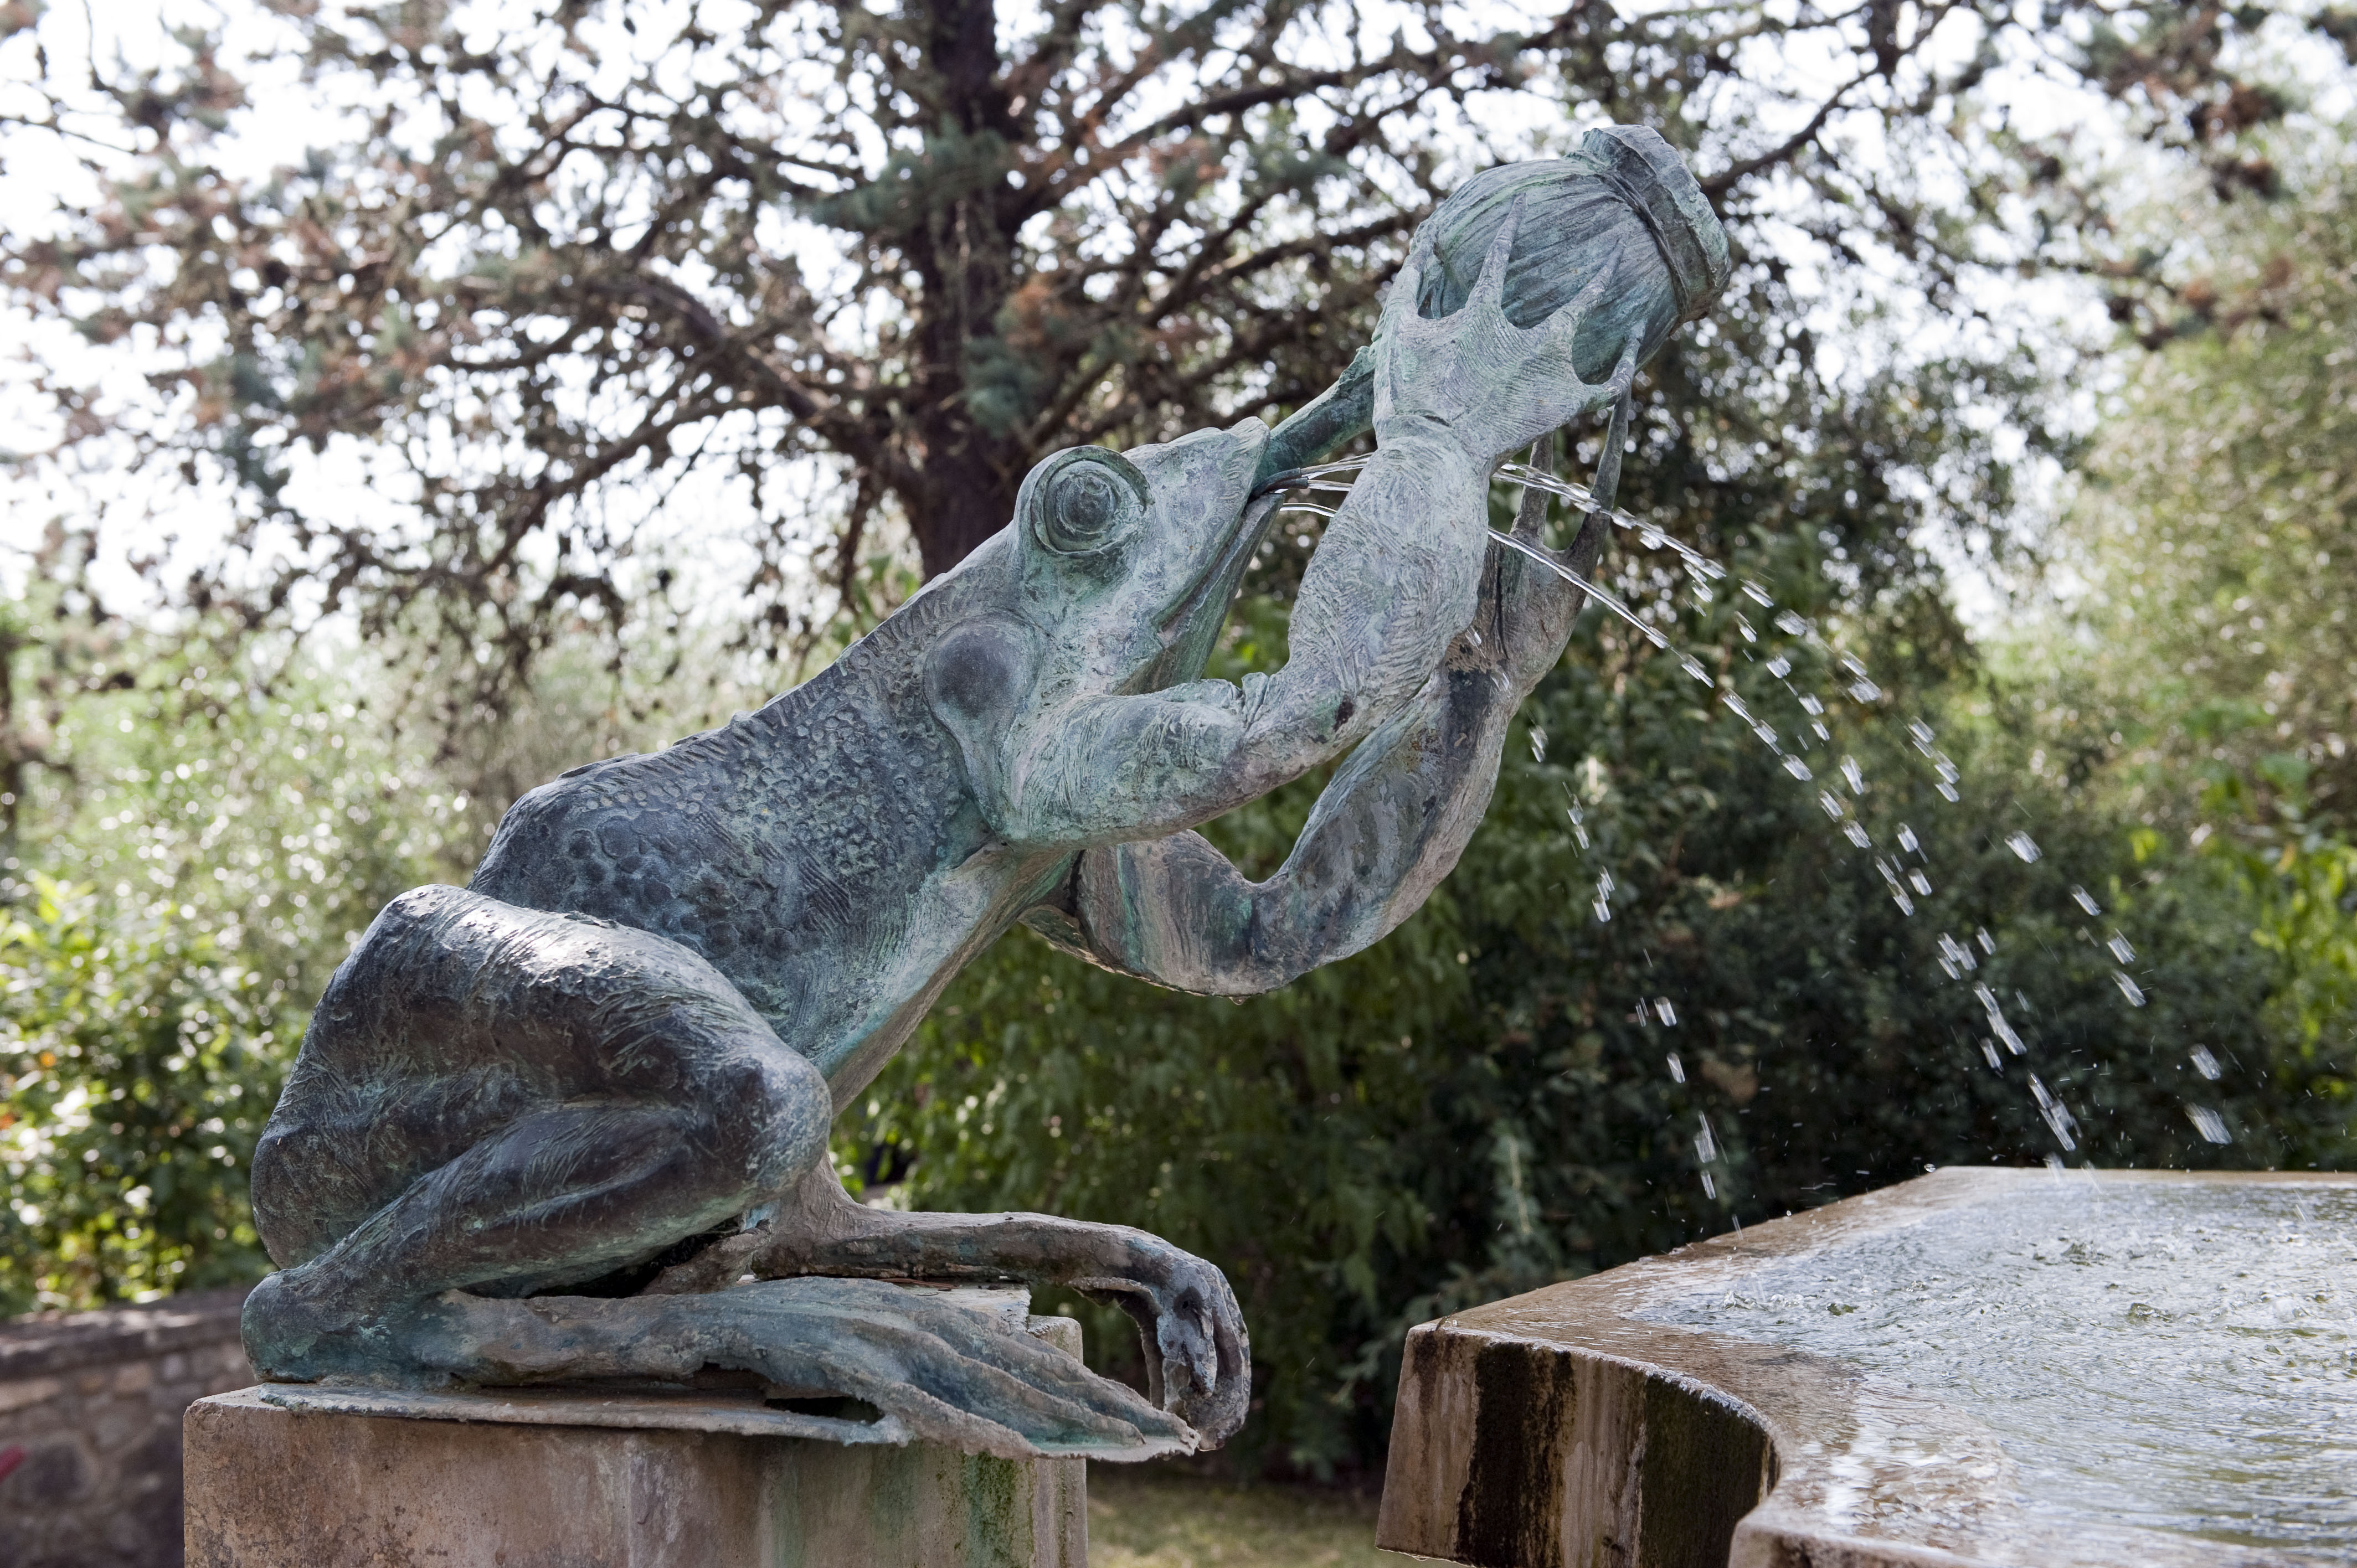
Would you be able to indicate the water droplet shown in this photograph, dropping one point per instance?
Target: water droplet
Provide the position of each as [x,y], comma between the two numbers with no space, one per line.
[1856,835]
[1734,706]
[1757,594]
[2081,896]
[1779,667]
[2120,949]
[1705,1145]
[1744,627]
[1766,733]
[1948,792]
[1538,743]
[1855,774]
[1791,625]
[1702,593]
[1603,910]
[1811,706]
[1907,840]
[1989,943]
[1709,1187]
[1988,1050]
[2128,988]
[2208,1124]
[1818,726]
[1798,769]
[1692,665]
[1920,732]
[1663,1011]
[1864,691]
[1831,802]
[2025,846]
[1922,883]
[2205,1063]
[1677,1069]
[2058,1119]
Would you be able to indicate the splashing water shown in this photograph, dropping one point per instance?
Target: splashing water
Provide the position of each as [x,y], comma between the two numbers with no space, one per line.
[1957,959]
[1645,628]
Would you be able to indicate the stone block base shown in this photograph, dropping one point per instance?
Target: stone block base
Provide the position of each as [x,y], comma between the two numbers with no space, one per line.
[274,1486]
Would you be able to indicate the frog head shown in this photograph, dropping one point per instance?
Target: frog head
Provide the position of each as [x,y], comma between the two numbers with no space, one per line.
[1113,578]
[1128,561]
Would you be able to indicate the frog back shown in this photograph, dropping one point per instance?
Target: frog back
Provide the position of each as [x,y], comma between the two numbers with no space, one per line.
[788,846]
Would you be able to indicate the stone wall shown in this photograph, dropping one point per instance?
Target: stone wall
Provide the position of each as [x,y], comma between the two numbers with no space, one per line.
[90,1427]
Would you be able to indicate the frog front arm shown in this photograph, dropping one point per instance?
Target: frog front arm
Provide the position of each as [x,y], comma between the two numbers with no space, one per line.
[1393,580]
[1386,830]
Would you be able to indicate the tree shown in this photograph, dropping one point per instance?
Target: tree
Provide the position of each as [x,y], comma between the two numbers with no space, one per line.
[2212,547]
[2197,675]
[547,279]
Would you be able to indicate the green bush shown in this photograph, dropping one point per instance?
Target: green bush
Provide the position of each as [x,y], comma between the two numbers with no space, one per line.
[139,1067]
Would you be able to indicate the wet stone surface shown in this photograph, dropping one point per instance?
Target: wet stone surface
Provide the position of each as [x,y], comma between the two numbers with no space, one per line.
[2167,1357]
[2038,1369]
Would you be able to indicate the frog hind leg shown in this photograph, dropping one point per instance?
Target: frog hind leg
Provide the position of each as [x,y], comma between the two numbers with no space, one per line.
[494,1103]
[503,1101]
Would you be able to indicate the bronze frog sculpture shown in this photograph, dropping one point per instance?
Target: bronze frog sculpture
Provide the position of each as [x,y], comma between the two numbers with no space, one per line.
[529,1117]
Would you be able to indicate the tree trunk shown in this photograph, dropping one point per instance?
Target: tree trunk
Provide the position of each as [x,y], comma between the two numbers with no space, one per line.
[963,499]
[968,465]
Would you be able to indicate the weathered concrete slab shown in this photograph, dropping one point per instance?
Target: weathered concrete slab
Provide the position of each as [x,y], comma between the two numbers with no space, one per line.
[272,1484]
[1589,1424]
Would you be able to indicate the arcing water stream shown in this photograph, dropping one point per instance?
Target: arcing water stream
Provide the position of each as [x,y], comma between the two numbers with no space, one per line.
[1957,959]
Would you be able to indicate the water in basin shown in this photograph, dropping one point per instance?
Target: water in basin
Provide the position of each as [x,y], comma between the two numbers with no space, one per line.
[2166,1356]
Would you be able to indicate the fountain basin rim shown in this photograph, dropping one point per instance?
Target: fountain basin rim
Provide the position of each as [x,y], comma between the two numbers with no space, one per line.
[1855,1470]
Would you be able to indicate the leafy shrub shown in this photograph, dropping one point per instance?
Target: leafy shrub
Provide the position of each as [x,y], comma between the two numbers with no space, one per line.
[138,1066]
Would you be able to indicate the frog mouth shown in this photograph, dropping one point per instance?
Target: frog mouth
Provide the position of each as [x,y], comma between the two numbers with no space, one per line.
[1192,625]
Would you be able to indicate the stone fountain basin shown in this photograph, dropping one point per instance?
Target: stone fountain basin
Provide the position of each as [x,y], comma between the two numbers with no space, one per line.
[1981,1366]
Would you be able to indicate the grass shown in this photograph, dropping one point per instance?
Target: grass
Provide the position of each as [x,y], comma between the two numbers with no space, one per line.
[1143,1519]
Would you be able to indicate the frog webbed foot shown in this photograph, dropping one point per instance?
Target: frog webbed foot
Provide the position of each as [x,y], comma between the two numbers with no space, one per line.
[1197,1355]
[938,1367]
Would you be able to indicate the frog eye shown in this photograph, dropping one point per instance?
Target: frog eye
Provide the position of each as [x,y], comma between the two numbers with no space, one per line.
[1081,500]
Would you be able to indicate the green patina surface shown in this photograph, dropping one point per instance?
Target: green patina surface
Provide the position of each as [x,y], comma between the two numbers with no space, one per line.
[531,1116]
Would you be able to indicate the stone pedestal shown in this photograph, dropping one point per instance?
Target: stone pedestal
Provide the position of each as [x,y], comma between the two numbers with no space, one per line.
[280,1478]
[307,1475]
